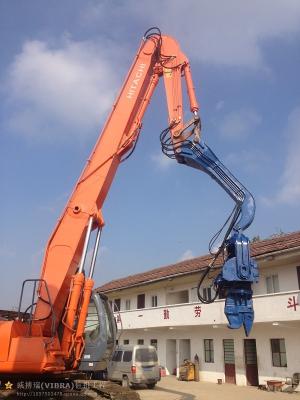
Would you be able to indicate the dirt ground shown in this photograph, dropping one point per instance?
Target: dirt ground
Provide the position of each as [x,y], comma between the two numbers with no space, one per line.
[170,388]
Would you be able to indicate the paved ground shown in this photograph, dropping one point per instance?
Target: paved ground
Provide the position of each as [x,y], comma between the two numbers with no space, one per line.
[170,388]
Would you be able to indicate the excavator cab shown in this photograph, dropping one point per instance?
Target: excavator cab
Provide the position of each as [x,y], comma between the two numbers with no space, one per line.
[99,334]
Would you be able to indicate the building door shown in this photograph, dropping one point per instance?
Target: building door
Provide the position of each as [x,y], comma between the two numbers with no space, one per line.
[229,360]
[171,356]
[184,350]
[251,362]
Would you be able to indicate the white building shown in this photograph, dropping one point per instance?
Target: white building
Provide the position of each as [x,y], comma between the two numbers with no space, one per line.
[160,307]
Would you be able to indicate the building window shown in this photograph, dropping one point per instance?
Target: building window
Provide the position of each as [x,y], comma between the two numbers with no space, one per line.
[154,301]
[209,350]
[117,305]
[278,353]
[127,304]
[140,341]
[272,284]
[177,297]
[126,341]
[153,342]
[117,342]
[206,293]
[194,295]
[141,300]
[298,275]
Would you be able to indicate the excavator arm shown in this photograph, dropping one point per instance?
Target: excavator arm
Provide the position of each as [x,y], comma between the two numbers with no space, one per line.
[239,271]
[55,329]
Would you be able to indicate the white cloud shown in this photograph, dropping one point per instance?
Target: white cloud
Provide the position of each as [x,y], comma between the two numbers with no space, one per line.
[220,105]
[55,205]
[6,251]
[251,160]
[89,255]
[238,124]
[289,192]
[63,91]
[161,161]
[36,258]
[187,255]
[103,250]
[66,90]
[228,33]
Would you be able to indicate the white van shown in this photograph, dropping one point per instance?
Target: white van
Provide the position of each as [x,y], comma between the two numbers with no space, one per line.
[134,365]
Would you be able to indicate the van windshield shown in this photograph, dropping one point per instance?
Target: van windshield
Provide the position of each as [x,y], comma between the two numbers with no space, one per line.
[145,355]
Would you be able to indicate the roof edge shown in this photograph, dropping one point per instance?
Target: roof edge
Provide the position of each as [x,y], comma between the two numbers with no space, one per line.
[188,272]
[290,247]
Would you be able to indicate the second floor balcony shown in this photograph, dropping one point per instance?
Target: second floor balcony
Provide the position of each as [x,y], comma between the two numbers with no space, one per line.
[277,307]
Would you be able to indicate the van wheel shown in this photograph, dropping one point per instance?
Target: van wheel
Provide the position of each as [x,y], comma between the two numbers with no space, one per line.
[125,381]
[150,385]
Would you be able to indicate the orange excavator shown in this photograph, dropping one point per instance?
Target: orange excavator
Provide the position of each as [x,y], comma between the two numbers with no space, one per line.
[67,326]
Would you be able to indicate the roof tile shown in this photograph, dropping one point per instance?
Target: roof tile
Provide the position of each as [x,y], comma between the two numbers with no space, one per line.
[262,247]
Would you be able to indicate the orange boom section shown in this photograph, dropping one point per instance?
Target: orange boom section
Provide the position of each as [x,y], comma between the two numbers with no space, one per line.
[64,291]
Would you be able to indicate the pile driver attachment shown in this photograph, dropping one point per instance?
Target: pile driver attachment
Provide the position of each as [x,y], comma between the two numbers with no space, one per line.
[239,270]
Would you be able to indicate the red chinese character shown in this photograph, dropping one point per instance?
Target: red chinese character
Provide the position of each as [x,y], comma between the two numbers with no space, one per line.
[166,314]
[292,303]
[197,311]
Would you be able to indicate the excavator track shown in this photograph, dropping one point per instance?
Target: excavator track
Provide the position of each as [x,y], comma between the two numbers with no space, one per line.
[74,389]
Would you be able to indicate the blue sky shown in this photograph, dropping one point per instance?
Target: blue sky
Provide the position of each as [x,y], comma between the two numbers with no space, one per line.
[62,64]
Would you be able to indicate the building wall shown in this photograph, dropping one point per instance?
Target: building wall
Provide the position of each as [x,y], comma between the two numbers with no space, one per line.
[213,371]
[186,334]
[287,276]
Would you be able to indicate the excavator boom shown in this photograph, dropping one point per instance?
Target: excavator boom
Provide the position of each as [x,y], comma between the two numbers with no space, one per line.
[55,330]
